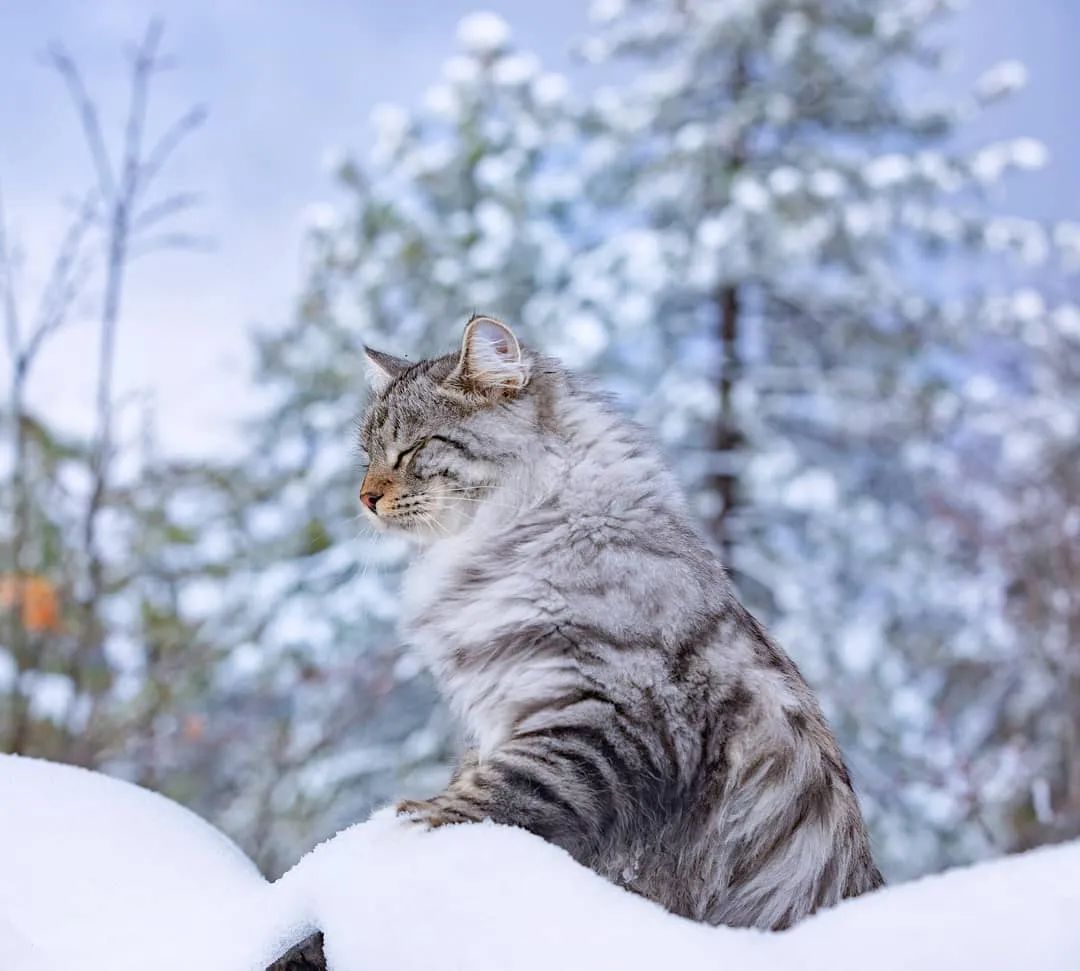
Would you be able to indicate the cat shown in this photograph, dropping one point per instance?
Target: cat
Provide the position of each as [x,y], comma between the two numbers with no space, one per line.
[624,705]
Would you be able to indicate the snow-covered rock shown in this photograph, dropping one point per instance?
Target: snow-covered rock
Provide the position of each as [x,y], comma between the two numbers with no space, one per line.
[96,873]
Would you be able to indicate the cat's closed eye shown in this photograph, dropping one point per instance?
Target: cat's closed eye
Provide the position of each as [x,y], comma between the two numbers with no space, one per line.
[406,455]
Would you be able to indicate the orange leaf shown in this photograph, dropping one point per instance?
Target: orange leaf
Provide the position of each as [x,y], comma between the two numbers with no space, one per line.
[37,598]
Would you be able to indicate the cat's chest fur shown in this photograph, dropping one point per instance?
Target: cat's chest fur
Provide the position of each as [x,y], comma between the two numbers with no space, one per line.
[458,611]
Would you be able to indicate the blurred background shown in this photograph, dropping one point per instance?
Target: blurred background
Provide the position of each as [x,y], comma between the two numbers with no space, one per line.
[827,250]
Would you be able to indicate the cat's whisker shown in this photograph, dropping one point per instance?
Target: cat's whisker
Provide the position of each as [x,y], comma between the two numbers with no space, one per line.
[430,520]
[439,495]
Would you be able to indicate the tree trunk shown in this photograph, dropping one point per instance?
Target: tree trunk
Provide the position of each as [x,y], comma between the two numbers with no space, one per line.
[727,440]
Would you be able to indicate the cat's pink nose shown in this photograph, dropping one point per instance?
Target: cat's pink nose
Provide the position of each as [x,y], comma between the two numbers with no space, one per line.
[370,499]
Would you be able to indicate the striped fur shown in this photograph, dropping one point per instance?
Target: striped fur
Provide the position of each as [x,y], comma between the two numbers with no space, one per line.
[623,704]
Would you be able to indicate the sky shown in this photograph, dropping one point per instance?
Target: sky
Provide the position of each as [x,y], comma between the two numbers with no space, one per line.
[288,84]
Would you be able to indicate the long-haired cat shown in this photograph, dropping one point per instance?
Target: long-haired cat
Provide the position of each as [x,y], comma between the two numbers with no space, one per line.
[623,704]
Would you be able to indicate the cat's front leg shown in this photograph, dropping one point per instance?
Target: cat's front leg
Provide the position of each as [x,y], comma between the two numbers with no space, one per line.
[551,789]
[442,810]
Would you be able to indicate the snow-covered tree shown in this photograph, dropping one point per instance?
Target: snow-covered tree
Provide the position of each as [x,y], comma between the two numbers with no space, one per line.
[771,245]
[1018,500]
[821,250]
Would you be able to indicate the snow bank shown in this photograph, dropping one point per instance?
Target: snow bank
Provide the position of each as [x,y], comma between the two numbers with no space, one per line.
[21,954]
[490,897]
[97,873]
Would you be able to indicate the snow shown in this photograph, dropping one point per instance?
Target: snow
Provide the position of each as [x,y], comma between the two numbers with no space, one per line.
[319,216]
[390,121]
[827,184]
[463,71]
[989,164]
[1029,153]
[887,170]
[1067,320]
[440,100]
[495,221]
[51,694]
[483,33]
[786,180]
[19,953]
[1025,237]
[98,873]
[515,69]
[550,89]
[1028,304]
[1001,80]
[749,194]
[602,11]
[789,35]
[812,489]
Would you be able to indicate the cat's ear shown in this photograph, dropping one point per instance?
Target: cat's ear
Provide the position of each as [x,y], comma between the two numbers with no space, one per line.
[491,358]
[383,368]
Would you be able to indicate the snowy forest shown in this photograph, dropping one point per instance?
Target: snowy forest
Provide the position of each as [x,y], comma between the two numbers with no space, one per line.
[763,226]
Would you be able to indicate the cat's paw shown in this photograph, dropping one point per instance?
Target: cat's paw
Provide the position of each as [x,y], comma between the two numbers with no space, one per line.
[430,814]
[412,808]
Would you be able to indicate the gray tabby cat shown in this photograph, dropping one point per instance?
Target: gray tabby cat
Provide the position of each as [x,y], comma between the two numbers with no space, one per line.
[624,705]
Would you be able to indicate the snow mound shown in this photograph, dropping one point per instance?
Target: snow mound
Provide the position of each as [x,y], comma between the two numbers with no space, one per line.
[19,953]
[390,895]
[96,873]
[99,873]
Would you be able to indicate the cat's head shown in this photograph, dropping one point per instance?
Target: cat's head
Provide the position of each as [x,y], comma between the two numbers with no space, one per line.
[440,435]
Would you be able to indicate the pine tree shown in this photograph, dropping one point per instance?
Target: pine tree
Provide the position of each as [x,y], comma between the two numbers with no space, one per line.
[826,248]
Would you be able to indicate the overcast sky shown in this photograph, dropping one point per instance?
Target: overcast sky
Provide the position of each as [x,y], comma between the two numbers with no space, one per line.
[286,82]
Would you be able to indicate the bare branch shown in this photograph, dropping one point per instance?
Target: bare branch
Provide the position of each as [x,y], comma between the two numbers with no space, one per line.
[75,205]
[65,280]
[172,241]
[63,63]
[170,206]
[141,70]
[174,135]
[7,282]
[59,308]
